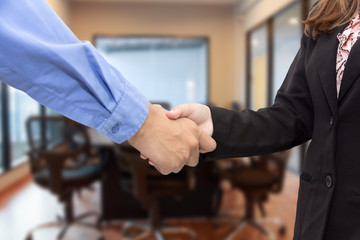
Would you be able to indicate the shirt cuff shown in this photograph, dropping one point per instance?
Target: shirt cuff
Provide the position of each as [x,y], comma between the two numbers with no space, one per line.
[128,116]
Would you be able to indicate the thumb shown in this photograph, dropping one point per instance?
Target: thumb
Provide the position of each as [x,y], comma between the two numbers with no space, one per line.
[206,143]
[174,114]
[183,110]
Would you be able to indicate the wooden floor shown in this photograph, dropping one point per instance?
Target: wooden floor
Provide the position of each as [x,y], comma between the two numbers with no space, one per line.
[26,205]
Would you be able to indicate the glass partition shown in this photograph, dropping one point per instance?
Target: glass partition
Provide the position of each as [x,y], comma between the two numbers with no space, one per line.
[20,108]
[166,69]
[286,43]
[259,67]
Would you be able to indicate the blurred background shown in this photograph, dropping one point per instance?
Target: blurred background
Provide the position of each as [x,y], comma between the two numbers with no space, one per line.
[229,53]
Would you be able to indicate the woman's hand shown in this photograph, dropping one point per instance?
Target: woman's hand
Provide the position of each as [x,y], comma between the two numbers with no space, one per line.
[198,113]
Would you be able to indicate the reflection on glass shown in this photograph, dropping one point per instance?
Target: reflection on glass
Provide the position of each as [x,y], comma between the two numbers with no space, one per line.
[259,68]
[165,69]
[21,107]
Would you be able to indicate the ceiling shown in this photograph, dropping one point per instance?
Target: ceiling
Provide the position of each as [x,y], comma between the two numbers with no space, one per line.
[220,2]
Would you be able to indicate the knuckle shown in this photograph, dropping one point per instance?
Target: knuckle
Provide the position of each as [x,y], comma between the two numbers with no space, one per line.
[193,143]
[193,163]
[180,165]
[195,128]
[186,157]
[177,165]
[183,157]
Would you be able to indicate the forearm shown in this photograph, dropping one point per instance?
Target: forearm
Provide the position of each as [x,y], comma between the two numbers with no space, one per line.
[249,133]
[42,57]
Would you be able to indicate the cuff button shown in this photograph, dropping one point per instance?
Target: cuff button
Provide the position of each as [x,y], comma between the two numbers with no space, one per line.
[116,128]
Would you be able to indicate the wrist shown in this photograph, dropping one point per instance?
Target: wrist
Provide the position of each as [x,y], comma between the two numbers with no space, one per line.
[143,129]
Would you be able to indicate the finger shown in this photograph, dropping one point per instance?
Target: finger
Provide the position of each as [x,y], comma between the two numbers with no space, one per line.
[183,110]
[194,158]
[153,164]
[163,172]
[157,167]
[206,143]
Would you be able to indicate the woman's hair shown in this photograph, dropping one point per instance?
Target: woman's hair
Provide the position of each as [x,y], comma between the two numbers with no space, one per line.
[329,14]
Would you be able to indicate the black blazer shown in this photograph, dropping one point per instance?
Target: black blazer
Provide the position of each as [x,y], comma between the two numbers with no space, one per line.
[306,107]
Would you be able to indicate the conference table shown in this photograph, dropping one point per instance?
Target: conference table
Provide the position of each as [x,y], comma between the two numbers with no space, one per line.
[119,204]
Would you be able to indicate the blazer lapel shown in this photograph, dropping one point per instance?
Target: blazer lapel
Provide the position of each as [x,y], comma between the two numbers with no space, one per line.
[352,70]
[326,57]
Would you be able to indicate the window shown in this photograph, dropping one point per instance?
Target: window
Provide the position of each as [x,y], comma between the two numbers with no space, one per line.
[21,107]
[259,67]
[15,107]
[286,43]
[165,69]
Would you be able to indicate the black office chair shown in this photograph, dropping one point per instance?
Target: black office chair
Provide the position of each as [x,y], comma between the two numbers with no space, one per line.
[264,175]
[59,159]
[149,187]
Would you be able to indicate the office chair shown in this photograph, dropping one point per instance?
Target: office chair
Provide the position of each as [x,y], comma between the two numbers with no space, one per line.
[59,161]
[264,175]
[149,187]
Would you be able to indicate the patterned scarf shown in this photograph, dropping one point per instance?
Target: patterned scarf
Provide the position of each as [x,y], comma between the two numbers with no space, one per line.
[347,40]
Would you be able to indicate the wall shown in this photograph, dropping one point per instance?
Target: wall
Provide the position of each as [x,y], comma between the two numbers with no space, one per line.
[213,21]
[61,7]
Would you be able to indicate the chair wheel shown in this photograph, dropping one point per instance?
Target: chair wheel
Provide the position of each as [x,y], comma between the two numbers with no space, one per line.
[282,231]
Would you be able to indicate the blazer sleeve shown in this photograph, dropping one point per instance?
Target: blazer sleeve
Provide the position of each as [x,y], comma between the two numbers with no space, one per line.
[285,124]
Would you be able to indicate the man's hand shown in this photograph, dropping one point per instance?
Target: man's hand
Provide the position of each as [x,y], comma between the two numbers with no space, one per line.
[198,113]
[170,144]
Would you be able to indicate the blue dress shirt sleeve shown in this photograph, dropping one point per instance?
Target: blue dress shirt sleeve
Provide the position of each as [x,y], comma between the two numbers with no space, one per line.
[42,57]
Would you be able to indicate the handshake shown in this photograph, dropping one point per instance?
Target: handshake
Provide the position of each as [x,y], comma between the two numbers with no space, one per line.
[172,139]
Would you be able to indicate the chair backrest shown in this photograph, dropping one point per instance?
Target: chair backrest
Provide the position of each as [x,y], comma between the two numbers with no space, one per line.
[56,143]
[272,165]
[275,164]
[146,180]
[135,168]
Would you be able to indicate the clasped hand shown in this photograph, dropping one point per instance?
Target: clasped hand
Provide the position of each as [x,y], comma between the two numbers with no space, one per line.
[171,140]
